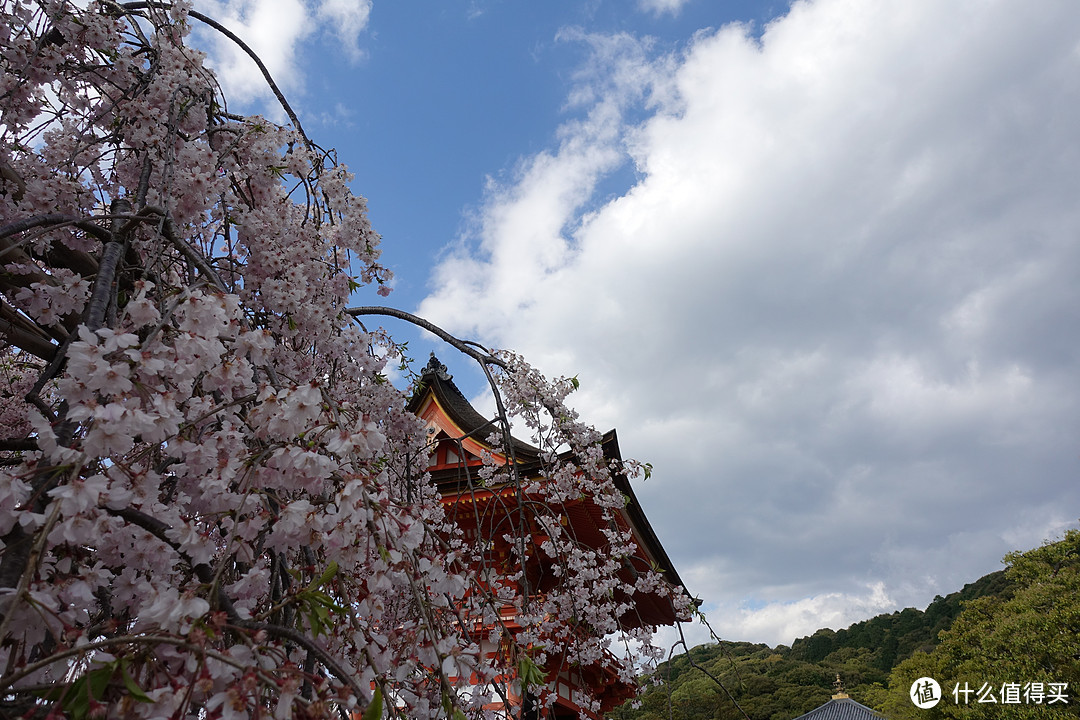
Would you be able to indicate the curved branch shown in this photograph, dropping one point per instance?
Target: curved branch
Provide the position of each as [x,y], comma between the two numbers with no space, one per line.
[54,219]
[8,681]
[706,673]
[468,348]
[242,45]
[305,642]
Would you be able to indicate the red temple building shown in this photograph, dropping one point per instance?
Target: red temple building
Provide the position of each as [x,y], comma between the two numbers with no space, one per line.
[458,440]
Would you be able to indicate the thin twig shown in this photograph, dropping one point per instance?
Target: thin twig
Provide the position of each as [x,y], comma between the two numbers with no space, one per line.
[152,212]
[706,673]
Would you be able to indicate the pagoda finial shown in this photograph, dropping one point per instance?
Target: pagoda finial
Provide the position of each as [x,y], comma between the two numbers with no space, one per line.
[839,687]
[436,368]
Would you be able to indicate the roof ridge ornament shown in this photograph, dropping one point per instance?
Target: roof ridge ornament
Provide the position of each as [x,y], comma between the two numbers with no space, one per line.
[838,686]
[436,368]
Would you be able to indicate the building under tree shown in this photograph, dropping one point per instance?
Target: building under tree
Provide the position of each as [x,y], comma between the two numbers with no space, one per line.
[493,515]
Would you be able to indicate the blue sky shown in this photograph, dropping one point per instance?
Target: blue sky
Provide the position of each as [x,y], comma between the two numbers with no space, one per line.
[819,266]
[450,94]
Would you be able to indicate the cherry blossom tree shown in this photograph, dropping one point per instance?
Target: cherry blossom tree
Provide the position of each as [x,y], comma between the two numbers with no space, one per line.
[209,502]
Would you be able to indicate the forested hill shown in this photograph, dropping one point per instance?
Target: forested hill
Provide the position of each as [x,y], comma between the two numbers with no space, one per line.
[895,636]
[784,682]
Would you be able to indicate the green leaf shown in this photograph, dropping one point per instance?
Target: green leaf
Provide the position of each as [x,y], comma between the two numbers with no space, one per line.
[316,606]
[99,679]
[328,575]
[132,687]
[574,381]
[374,708]
[452,713]
[79,704]
[75,699]
[528,672]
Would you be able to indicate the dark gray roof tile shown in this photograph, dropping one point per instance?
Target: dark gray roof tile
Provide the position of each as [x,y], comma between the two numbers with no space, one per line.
[841,709]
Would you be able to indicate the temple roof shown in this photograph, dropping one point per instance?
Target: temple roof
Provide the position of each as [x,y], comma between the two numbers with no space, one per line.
[638,521]
[436,383]
[842,708]
[434,377]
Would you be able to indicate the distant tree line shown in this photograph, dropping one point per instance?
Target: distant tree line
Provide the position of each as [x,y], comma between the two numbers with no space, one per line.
[1018,625]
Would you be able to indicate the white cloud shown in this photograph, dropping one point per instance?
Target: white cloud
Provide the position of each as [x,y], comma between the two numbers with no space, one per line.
[271,28]
[275,30]
[521,228]
[778,622]
[834,310]
[659,7]
[348,18]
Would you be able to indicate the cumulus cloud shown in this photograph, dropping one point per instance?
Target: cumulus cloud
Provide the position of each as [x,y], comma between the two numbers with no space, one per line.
[790,619]
[777,622]
[271,28]
[275,30]
[835,307]
[347,18]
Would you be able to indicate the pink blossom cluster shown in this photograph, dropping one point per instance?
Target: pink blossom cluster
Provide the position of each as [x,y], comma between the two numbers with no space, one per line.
[209,496]
[592,606]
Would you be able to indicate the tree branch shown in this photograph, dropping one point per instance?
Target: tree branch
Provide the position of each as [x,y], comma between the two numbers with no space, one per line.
[52,219]
[102,295]
[308,644]
[158,529]
[243,46]
[151,212]
[25,445]
[482,356]
[24,334]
